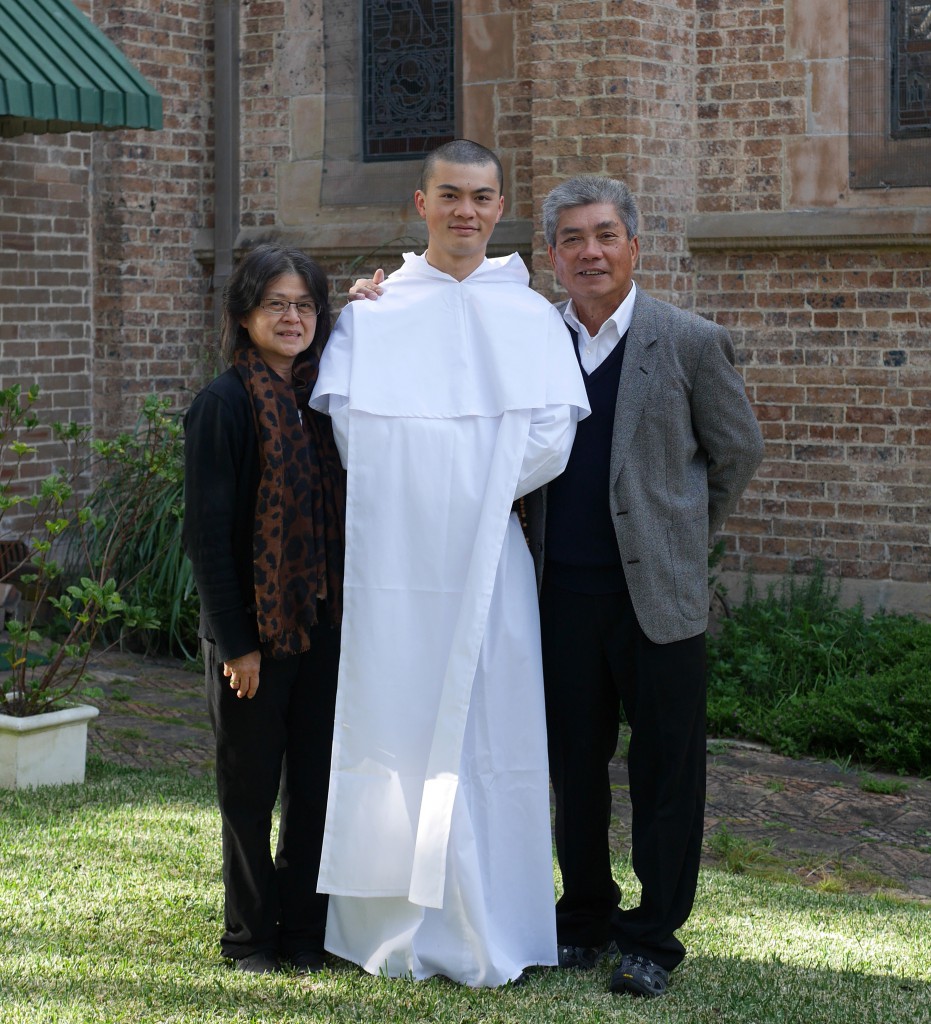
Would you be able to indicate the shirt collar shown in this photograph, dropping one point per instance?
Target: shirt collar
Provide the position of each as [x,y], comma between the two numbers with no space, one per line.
[621,317]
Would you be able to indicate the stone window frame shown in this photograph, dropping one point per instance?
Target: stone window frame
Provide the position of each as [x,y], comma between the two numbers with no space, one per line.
[877,159]
[346,176]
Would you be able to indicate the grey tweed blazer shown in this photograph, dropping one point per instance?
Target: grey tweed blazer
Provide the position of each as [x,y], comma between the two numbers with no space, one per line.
[686,444]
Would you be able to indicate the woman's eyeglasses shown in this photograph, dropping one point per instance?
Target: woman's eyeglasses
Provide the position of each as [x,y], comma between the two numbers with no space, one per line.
[279,306]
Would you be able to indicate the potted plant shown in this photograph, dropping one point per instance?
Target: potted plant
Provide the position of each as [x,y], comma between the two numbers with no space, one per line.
[69,534]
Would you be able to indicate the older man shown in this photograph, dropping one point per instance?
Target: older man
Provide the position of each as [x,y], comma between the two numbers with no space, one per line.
[654,471]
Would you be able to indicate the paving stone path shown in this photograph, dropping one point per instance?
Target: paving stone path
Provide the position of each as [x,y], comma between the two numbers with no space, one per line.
[812,818]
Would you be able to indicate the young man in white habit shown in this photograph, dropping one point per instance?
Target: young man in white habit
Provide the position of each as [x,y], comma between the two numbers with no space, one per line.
[451,396]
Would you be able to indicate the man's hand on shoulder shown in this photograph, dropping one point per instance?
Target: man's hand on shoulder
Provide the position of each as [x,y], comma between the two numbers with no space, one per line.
[367,287]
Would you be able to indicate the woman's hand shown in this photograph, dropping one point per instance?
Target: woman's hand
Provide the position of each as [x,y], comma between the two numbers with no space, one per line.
[367,288]
[243,673]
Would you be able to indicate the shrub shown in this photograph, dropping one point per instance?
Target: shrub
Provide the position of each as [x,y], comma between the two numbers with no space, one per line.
[46,659]
[147,471]
[807,676]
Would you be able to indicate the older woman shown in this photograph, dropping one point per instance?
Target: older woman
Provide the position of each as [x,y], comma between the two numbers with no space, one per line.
[263,527]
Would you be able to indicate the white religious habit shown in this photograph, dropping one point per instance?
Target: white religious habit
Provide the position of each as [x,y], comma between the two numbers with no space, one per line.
[449,399]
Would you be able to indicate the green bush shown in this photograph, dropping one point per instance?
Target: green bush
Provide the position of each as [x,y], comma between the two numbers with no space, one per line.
[65,609]
[151,565]
[799,672]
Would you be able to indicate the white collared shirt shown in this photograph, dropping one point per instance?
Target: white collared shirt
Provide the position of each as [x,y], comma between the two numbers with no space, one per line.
[594,351]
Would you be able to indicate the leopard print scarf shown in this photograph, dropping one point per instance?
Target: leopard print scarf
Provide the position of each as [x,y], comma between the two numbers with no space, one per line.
[300,509]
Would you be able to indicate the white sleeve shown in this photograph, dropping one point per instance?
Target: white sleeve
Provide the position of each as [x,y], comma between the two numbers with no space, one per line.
[552,428]
[331,392]
[552,431]
[335,369]
[339,416]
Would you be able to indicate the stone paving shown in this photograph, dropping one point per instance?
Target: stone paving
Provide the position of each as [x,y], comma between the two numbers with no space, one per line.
[152,714]
[812,818]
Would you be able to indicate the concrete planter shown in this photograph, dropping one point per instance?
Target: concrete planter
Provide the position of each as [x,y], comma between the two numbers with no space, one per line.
[44,750]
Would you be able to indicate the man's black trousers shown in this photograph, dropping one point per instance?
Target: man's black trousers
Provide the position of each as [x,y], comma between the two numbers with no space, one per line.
[597,659]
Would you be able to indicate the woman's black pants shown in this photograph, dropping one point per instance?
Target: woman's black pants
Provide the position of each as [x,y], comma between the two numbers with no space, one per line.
[277,742]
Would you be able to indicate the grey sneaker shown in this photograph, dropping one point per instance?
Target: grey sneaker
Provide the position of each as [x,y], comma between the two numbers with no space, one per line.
[639,976]
[584,958]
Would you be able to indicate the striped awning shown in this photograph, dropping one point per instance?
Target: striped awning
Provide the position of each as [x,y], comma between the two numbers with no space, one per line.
[59,73]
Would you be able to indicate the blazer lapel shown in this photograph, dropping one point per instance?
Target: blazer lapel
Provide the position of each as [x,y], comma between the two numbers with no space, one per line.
[636,376]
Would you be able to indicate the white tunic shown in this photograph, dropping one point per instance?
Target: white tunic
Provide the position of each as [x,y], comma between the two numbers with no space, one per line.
[449,399]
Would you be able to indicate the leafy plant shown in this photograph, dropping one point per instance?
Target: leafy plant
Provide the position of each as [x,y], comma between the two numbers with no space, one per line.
[147,470]
[735,853]
[800,672]
[718,604]
[886,787]
[47,658]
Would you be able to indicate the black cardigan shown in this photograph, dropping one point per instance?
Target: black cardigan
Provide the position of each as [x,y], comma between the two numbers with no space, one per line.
[221,478]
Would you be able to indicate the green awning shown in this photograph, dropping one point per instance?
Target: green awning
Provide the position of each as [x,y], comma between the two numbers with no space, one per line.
[59,73]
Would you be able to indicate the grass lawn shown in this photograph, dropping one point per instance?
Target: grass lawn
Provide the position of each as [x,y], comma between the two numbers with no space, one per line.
[110,907]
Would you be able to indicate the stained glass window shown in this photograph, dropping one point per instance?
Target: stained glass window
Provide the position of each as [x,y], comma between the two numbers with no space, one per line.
[911,68]
[408,73]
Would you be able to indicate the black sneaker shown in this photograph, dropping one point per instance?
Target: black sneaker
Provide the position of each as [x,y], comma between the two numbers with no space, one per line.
[639,976]
[306,961]
[258,963]
[584,958]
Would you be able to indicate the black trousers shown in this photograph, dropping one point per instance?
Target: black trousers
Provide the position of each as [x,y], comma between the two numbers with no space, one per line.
[279,741]
[596,659]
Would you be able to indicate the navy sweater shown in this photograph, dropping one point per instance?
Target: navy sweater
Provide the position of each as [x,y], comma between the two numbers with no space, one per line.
[581,546]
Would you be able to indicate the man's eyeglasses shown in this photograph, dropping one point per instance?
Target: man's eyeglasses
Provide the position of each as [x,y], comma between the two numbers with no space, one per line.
[279,306]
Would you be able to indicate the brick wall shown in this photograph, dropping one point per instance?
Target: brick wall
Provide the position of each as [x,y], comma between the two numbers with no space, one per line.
[751,102]
[152,192]
[614,93]
[277,63]
[833,336]
[46,275]
[835,353]
[707,108]
[45,286]
[514,135]
[102,299]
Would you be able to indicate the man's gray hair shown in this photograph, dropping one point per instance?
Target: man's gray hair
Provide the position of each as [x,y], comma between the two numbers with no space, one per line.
[584,190]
